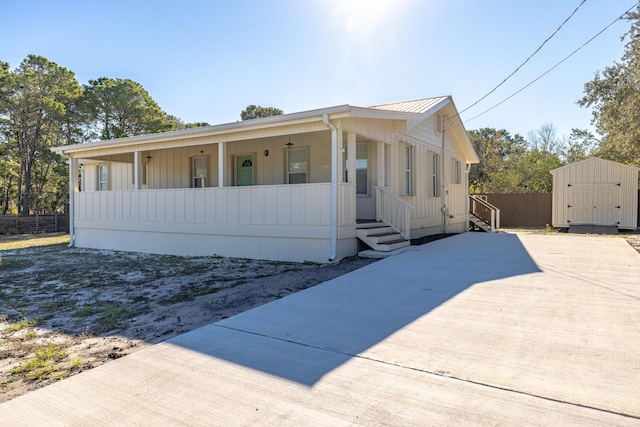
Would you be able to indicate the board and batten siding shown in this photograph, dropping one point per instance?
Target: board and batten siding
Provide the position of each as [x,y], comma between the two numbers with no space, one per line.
[621,179]
[172,168]
[426,215]
[279,222]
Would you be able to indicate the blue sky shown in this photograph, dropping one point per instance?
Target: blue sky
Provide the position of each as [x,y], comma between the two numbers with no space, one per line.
[208,60]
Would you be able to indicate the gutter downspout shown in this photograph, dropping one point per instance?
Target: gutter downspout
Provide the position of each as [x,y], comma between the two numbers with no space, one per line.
[334,187]
[444,209]
[467,169]
[72,172]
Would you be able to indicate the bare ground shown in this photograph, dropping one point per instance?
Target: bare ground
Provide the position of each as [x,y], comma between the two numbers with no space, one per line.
[63,311]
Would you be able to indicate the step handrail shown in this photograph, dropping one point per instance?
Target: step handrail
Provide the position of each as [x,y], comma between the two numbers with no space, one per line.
[481,208]
[393,211]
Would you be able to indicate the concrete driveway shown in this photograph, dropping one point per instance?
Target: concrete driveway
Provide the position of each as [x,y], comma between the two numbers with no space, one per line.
[477,329]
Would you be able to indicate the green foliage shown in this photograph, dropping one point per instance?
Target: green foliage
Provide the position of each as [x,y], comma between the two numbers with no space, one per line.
[513,164]
[615,99]
[42,105]
[119,108]
[36,112]
[256,111]
[581,145]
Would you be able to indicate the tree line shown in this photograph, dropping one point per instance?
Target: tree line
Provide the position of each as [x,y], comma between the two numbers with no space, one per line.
[43,105]
[517,164]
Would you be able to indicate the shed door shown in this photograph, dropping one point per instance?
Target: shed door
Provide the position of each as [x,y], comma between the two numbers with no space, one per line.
[606,204]
[580,207]
[596,204]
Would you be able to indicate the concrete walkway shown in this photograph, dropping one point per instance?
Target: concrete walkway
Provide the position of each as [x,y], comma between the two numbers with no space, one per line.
[477,329]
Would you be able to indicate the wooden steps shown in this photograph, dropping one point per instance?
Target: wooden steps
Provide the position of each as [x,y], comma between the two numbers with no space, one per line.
[380,236]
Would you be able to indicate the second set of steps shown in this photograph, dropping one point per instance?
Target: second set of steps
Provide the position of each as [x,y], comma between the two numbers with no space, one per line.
[380,236]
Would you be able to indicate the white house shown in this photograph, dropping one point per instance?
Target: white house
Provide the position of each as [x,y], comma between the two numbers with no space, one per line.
[295,187]
[595,192]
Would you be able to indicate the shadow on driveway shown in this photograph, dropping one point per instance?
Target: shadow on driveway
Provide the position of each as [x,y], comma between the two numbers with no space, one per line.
[305,336]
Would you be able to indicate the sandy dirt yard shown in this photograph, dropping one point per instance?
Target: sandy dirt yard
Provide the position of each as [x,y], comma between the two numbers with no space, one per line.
[63,311]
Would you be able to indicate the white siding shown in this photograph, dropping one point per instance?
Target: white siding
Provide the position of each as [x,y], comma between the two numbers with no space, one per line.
[590,173]
[278,222]
[427,216]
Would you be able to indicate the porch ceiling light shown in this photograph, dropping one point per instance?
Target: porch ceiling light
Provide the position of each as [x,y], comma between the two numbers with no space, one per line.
[289,144]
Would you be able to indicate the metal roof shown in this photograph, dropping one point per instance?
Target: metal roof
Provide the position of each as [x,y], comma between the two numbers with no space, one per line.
[419,106]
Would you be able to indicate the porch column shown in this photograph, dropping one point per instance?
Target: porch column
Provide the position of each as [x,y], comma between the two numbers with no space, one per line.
[351,157]
[222,162]
[137,170]
[73,188]
[340,155]
[381,178]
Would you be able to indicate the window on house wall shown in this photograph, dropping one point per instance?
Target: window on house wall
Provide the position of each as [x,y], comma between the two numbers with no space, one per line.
[199,172]
[434,182]
[103,177]
[457,172]
[439,123]
[407,163]
[297,165]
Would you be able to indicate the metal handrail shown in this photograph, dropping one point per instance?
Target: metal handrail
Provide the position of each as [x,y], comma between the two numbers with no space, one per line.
[394,211]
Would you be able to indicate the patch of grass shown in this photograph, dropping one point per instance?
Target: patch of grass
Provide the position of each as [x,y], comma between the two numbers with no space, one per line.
[76,364]
[189,293]
[111,315]
[23,241]
[42,364]
[58,305]
[85,311]
[29,335]
[24,323]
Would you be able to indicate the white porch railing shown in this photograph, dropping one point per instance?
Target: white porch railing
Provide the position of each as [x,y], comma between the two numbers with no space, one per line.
[268,205]
[481,209]
[394,211]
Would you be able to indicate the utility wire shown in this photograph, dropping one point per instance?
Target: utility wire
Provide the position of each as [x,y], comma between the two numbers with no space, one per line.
[526,60]
[552,68]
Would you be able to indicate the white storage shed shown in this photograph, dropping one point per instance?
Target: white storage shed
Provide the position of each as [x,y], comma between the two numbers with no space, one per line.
[595,192]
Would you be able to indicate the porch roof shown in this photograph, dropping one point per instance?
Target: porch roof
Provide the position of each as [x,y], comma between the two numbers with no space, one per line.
[410,111]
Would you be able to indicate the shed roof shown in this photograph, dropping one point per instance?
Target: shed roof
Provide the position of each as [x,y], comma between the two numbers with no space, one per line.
[593,160]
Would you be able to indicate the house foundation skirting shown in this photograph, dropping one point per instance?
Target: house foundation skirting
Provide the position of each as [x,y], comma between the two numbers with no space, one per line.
[296,249]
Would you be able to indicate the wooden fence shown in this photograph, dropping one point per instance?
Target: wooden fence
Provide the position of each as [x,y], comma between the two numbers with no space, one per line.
[523,209]
[26,224]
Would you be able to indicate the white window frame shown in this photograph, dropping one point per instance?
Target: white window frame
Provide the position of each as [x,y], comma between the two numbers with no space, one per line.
[434,178]
[407,170]
[102,184]
[199,181]
[457,172]
[288,171]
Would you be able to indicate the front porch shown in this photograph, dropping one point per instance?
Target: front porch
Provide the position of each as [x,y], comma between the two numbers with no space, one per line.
[288,187]
[277,222]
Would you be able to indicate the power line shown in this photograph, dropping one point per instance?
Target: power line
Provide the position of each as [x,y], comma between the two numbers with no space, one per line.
[526,60]
[555,66]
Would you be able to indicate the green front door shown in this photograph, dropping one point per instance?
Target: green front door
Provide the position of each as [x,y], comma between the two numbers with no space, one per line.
[244,170]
